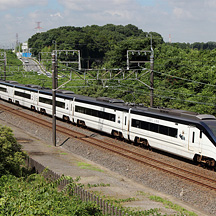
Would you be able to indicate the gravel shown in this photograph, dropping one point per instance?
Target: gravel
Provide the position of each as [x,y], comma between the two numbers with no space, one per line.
[192,194]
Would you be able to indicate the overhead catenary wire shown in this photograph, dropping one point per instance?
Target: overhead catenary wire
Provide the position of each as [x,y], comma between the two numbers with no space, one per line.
[160,90]
[162,96]
[165,74]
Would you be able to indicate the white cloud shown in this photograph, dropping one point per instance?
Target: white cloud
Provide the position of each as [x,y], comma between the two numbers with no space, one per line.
[10,4]
[182,13]
[185,20]
[34,15]
[95,5]
[58,14]
[210,3]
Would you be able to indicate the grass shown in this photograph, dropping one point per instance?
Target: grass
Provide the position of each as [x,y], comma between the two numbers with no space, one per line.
[97,185]
[63,153]
[83,165]
[168,204]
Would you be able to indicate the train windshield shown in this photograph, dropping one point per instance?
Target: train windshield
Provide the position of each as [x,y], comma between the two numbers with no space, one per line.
[212,125]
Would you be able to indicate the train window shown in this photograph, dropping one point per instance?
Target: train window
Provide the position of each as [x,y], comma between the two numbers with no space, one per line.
[49,101]
[3,89]
[200,134]
[45,100]
[102,115]
[212,126]
[88,111]
[135,123]
[108,116]
[79,109]
[22,94]
[95,113]
[60,104]
[193,137]
[163,130]
[144,125]
[173,132]
[155,128]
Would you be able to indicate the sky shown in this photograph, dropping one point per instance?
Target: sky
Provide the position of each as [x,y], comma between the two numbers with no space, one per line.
[186,21]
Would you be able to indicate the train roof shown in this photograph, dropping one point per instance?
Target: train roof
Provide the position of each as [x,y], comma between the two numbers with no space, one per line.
[118,104]
[180,116]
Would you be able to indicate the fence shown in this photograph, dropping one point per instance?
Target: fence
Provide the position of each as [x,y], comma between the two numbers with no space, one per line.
[84,195]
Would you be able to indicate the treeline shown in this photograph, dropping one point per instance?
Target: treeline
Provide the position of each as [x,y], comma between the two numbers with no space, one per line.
[185,78]
[197,45]
[99,45]
[184,74]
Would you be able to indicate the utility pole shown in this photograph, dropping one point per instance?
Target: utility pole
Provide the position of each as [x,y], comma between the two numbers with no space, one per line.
[139,53]
[38,27]
[152,75]
[70,61]
[54,42]
[5,63]
[152,80]
[4,59]
[54,88]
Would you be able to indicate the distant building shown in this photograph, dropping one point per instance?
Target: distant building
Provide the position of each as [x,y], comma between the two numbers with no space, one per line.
[25,51]
[25,47]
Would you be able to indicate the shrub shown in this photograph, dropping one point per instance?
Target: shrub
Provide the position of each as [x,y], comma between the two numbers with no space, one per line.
[11,155]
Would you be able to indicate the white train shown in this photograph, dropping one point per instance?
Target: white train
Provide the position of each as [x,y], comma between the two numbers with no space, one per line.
[179,132]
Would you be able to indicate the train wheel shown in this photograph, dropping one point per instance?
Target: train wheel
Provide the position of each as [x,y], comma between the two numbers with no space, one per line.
[33,108]
[121,136]
[43,111]
[81,123]
[137,141]
[66,118]
[115,133]
[212,163]
[208,162]
[198,158]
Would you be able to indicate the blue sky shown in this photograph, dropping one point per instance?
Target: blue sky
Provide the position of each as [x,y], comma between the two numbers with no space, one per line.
[146,2]
[185,20]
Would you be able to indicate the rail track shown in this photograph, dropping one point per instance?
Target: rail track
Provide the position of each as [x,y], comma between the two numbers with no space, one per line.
[122,150]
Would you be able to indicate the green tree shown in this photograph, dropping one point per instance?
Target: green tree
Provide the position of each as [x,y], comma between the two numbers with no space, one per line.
[35,195]
[11,155]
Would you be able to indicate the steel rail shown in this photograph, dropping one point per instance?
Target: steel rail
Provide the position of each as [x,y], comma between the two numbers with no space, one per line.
[123,151]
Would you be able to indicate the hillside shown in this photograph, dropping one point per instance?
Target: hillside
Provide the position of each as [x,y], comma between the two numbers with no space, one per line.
[184,74]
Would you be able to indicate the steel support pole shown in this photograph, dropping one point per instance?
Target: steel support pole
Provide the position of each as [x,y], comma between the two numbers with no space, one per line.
[5,62]
[152,80]
[54,74]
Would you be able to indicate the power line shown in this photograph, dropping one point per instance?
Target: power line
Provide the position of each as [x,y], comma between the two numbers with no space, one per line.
[165,74]
[172,98]
[193,95]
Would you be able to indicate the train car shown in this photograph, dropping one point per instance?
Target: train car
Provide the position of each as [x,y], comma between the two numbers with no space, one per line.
[186,134]
[103,114]
[45,104]
[7,90]
[179,132]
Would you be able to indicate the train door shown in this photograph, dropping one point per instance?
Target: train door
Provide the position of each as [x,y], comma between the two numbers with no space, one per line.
[126,124]
[71,109]
[194,139]
[11,94]
[32,99]
[36,100]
